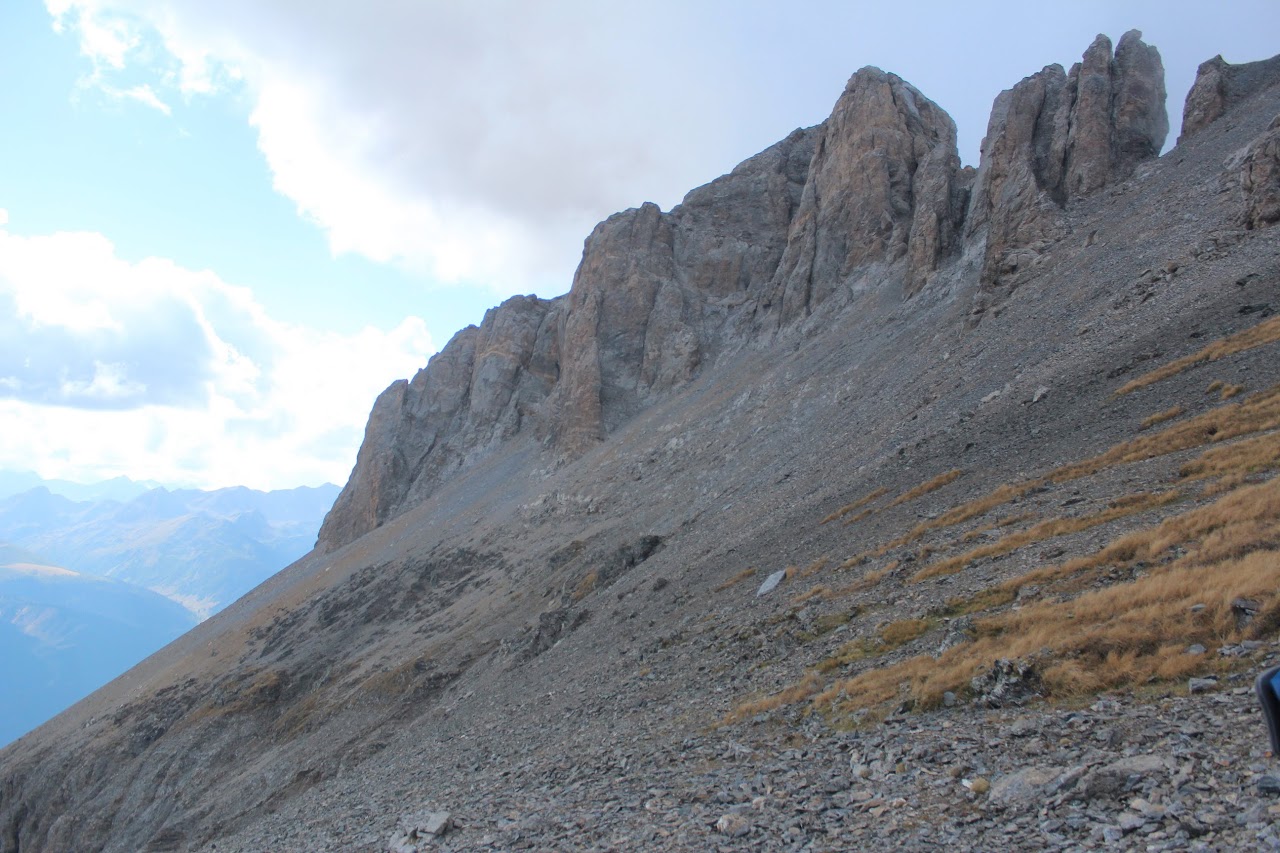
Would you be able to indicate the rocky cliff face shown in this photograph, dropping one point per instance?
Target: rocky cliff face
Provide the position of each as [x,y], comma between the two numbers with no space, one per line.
[1220,86]
[1055,138]
[874,197]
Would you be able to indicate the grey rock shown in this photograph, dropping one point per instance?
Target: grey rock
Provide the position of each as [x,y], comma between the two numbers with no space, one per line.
[1006,683]
[1028,786]
[733,825]
[1218,87]
[771,583]
[1119,776]
[959,630]
[415,830]
[1202,685]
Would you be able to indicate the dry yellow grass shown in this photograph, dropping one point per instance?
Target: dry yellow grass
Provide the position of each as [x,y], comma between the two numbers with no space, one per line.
[925,488]
[1258,412]
[904,631]
[1046,530]
[856,517]
[891,636]
[586,585]
[987,599]
[1265,332]
[818,591]
[1123,635]
[1119,636]
[858,504]
[964,512]
[977,533]
[1248,456]
[812,569]
[796,693]
[1160,417]
[1229,391]
[867,581]
[736,579]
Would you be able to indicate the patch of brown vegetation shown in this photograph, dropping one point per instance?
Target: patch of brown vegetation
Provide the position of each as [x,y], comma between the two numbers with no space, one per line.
[736,579]
[1186,573]
[793,694]
[926,487]
[1160,417]
[1268,331]
[1259,412]
[1126,506]
[858,504]
[585,585]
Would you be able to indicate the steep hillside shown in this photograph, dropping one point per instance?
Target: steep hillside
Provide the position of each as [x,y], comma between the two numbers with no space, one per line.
[815,516]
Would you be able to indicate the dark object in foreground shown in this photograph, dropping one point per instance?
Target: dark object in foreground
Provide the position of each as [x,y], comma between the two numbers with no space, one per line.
[1268,687]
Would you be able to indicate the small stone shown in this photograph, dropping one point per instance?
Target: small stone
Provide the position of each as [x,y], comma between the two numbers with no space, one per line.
[771,583]
[733,825]
[1269,785]
[949,699]
[1196,649]
[1202,685]
[1128,821]
[1197,608]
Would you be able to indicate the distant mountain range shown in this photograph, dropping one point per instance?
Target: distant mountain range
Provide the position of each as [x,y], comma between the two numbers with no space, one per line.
[116,489]
[201,549]
[93,578]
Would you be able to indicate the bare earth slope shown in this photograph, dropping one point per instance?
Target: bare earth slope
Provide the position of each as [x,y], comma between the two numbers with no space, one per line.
[534,605]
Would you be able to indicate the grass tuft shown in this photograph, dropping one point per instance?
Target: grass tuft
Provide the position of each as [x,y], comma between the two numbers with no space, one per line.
[736,579]
[858,504]
[925,488]
[1265,332]
[1121,508]
[1161,417]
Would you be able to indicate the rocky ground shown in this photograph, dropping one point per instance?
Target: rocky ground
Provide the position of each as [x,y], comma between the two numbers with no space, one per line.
[1181,772]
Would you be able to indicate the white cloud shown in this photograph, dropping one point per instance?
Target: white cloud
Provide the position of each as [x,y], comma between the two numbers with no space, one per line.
[142,94]
[109,367]
[469,143]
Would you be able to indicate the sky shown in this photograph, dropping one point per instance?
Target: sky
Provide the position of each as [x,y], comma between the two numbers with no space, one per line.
[226,227]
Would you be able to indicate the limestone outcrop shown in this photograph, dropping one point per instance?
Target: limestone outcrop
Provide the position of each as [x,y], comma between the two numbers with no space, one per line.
[1057,137]
[874,197]
[1260,179]
[1219,86]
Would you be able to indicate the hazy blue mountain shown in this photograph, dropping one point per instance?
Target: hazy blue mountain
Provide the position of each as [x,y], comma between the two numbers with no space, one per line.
[118,489]
[63,634]
[202,549]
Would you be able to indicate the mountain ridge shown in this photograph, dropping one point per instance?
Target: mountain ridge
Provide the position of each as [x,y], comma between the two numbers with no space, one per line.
[876,192]
[541,620]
